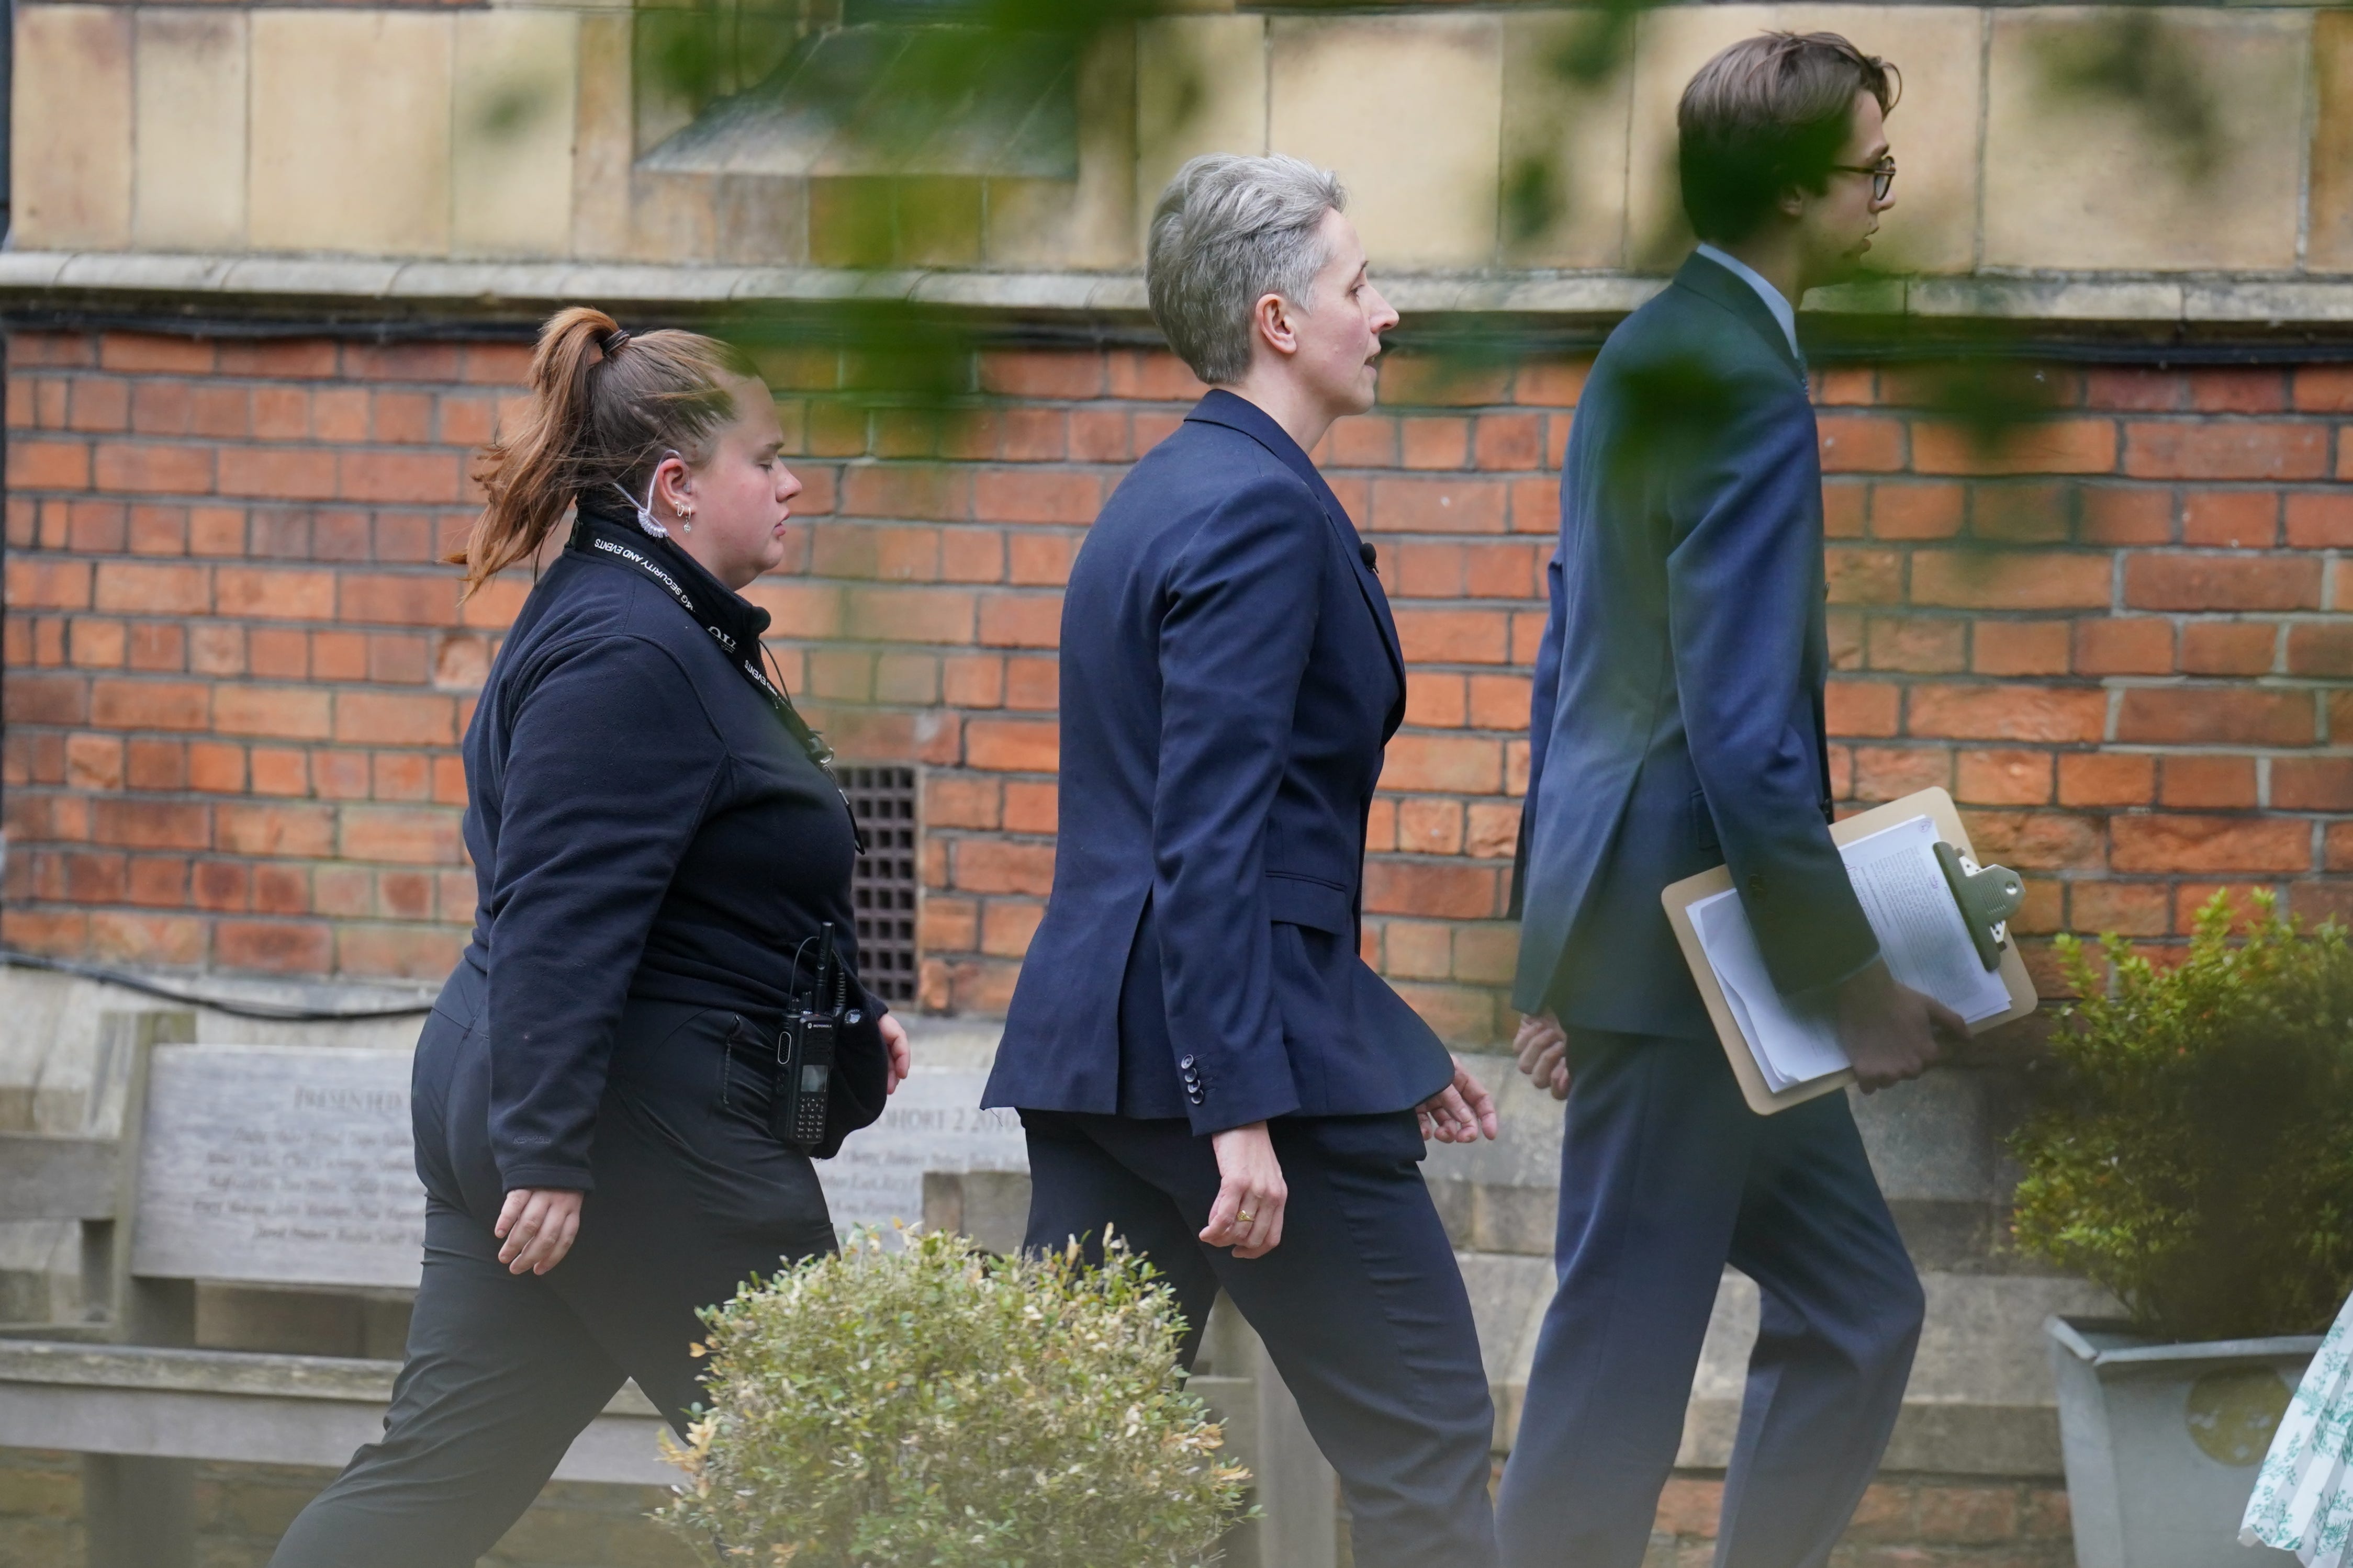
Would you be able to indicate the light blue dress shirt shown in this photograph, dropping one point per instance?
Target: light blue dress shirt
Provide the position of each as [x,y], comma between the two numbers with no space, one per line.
[1781,309]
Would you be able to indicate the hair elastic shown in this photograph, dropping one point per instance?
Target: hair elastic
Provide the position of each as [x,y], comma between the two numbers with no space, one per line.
[611,343]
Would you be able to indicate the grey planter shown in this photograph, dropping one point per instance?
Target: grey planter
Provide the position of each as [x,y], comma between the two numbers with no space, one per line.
[2163,1441]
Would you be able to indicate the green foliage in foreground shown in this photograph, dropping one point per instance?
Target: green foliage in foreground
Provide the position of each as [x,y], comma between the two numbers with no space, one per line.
[941,1407]
[2194,1147]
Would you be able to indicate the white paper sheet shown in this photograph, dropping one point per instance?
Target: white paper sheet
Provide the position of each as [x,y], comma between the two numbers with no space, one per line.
[1791,1047]
[1921,934]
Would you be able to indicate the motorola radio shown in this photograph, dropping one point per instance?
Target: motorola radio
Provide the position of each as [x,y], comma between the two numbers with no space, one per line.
[805,1050]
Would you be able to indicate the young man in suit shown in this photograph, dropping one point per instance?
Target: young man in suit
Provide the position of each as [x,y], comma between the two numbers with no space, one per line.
[1203,1064]
[1678,725]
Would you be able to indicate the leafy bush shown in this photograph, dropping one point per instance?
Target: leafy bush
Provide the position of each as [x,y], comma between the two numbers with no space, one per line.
[2192,1149]
[943,1407]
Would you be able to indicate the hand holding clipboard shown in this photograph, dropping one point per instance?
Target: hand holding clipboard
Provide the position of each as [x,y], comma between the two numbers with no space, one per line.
[1941,923]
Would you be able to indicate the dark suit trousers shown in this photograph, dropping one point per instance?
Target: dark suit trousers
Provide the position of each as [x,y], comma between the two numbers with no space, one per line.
[1361,1306]
[1666,1176]
[693,1196]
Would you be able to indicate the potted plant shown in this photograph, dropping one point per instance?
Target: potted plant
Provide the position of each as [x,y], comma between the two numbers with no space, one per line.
[937,1405]
[2191,1150]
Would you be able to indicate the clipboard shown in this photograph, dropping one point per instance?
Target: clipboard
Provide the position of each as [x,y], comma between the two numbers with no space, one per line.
[1986,896]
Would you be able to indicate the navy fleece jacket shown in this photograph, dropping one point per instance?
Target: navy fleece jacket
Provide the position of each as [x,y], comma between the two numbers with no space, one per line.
[642,824]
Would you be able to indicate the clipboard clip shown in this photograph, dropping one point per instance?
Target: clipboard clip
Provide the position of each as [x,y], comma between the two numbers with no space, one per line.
[1986,896]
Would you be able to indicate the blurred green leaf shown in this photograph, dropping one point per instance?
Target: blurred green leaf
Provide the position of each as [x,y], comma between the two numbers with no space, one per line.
[2135,60]
[1600,45]
[1990,396]
[693,53]
[509,109]
[1531,198]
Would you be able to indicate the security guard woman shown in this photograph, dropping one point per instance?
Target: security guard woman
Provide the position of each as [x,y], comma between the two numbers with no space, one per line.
[657,845]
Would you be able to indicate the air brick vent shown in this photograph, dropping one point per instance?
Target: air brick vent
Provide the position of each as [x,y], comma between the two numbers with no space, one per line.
[887,883]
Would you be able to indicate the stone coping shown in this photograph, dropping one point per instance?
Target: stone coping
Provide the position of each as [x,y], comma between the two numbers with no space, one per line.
[495,289]
[2112,1342]
[491,285]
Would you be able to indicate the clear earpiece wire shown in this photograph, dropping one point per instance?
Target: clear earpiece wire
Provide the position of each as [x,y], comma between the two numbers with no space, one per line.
[644,508]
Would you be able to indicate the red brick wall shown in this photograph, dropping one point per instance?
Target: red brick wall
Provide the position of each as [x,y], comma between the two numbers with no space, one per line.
[2121,641]
[235,675]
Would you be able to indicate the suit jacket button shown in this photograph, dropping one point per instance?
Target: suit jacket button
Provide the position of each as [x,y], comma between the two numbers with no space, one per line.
[1185,1062]
[1195,1096]
[1756,885]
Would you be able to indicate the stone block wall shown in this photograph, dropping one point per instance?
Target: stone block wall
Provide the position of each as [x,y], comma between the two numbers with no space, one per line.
[419,129]
[236,672]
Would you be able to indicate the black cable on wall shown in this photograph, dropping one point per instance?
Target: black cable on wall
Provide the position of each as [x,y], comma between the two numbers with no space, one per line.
[274,1012]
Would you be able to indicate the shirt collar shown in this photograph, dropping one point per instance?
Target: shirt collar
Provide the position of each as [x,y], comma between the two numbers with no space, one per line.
[1773,302]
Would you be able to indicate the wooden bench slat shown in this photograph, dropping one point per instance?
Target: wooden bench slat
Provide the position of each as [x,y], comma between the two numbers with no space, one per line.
[48,1176]
[243,1404]
[254,1373]
[260,1428]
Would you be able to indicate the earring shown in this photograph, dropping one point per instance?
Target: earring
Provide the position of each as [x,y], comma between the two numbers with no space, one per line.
[685,518]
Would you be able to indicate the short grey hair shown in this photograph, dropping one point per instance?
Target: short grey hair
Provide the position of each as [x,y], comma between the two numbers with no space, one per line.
[1228,231]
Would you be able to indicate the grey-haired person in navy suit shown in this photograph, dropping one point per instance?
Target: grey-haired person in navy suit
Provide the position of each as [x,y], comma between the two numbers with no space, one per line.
[1678,725]
[1204,1065]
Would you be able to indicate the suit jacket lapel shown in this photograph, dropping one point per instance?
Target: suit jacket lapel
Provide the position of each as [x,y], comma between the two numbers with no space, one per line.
[1368,582]
[1222,407]
[1713,283]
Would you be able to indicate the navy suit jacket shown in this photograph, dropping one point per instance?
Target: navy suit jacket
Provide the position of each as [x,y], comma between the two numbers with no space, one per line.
[1230,675]
[1677,716]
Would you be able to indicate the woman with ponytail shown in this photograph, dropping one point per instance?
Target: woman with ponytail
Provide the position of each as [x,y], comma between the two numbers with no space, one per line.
[661,856]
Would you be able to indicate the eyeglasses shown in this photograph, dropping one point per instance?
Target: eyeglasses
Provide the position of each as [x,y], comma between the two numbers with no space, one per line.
[1883,175]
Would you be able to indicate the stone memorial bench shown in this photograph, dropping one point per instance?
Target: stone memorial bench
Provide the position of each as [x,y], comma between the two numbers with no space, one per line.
[291,1168]
[276,1166]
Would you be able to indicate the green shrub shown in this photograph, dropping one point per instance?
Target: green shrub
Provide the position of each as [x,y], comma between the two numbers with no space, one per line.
[941,1407]
[2193,1146]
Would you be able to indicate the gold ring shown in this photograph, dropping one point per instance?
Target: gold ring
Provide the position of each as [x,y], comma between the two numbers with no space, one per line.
[1243,1215]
